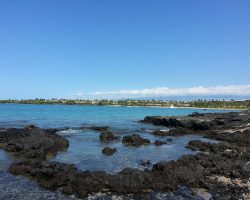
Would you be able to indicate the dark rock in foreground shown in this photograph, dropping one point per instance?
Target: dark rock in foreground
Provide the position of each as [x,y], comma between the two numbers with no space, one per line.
[66,177]
[51,175]
[199,122]
[109,151]
[194,171]
[227,160]
[165,121]
[32,142]
[134,140]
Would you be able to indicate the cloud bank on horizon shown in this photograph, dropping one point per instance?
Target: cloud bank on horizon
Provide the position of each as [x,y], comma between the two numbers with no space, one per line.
[236,90]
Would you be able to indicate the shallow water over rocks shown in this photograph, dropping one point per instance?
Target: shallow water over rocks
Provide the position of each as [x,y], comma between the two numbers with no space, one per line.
[85,151]
[85,148]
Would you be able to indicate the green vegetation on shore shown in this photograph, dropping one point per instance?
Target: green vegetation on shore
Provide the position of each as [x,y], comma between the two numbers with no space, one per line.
[219,104]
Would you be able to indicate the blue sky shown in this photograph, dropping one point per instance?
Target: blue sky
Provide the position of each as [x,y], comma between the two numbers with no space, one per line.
[62,48]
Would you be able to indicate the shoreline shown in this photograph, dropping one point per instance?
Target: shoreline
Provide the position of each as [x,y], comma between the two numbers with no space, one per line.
[181,107]
[227,160]
[198,108]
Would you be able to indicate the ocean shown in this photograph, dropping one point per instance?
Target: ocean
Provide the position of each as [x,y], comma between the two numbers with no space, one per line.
[85,148]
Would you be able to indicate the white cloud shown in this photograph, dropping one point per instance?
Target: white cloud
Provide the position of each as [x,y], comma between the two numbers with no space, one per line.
[79,94]
[170,92]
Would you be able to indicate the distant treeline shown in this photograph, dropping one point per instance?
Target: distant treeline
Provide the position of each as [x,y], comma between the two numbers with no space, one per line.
[222,104]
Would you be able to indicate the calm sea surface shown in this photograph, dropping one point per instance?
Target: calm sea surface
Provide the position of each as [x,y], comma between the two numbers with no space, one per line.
[66,115]
[85,148]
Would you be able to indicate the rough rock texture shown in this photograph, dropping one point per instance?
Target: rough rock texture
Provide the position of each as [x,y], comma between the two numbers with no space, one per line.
[160,133]
[51,175]
[200,122]
[107,136]
[99,128]
[66,177]
[109,151]
[180,131]
[32,142]
[159,142]
[134,140]
[227,160]
[165,121]
[196,114]
[145,162]
[209,147]
[191,171]
[30,126]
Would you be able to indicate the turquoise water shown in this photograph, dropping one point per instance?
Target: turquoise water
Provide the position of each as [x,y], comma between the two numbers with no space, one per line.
[85,148]
[85,151]
[20,115]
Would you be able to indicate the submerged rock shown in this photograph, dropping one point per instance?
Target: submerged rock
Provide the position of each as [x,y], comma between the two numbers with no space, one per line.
[145,162]
[98,128]
[159,142]
[134,140]
[109,151]
[160,133]
[196,114]
[30,126]
[179,131]
[107,136]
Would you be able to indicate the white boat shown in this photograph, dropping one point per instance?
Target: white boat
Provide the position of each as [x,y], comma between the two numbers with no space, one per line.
[171,106]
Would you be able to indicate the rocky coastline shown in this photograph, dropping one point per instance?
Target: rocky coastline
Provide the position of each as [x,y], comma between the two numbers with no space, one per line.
[222,169]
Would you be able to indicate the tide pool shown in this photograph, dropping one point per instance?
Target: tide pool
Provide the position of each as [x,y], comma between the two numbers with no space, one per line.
[85,148]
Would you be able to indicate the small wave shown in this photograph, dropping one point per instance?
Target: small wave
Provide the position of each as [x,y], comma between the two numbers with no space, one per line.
[164,130]
[149,131]
[69,131]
